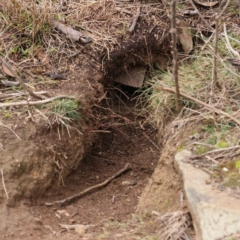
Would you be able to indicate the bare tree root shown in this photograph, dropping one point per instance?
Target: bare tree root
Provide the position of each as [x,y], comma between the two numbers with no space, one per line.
[100,185]
[218,111]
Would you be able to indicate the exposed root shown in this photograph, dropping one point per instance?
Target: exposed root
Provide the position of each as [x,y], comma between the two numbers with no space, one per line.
[84,192]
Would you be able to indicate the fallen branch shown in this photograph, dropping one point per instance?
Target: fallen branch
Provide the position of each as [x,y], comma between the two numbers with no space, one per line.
[218,111]
[20,80]
[70,32]
[100,185]
[134,22]
[10,104]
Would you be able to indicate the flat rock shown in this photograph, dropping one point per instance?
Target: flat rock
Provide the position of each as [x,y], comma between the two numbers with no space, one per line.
[133,77]
[215,214]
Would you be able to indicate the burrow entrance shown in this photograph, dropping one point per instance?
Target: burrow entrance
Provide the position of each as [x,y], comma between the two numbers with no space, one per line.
[124,136]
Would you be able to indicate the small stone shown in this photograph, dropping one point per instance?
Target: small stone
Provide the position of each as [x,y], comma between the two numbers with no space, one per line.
[38,221]
[207,181]
[128,200]
[129,182]
[71,220]
[61,211]
[80,229]
[225,169]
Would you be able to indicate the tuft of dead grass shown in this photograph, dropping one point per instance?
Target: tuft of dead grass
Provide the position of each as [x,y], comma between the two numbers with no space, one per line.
[213,137]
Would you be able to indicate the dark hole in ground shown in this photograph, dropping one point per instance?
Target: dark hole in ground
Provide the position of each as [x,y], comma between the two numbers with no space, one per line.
[124,136]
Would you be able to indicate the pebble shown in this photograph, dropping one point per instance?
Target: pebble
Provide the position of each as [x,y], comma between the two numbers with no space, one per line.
[129,183]
[80,230]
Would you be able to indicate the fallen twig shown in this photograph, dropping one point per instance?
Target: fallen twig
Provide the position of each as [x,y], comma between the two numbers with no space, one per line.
[34,102]
[216,151]
[9,95]
[1,124]
[73,226]
[4,186]
[100,185]
[20,80]
[134,22]
[228,44]
[70,32]
[218,111]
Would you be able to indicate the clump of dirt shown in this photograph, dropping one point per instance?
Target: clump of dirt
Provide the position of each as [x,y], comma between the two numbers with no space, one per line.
[36,154]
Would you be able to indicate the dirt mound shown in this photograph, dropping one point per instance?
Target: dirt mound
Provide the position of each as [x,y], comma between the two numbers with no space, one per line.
[44,156]
[38,154]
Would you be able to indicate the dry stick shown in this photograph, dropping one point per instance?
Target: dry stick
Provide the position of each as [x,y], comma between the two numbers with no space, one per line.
[174,53]
[134,22]
[34,102]
[100,185]
[203,104]
[8,95]
[216,151]
[200,15]
[20,80]
[229,46]
[214,80]
[224,9]
[4,187]
[1,124]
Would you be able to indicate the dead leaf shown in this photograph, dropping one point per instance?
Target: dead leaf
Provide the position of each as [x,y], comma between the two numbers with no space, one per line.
[7,71]
[206,4]
[44,58]
[185,36]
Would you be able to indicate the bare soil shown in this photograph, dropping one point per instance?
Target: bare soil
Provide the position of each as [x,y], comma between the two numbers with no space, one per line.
[114,133]
[133,142]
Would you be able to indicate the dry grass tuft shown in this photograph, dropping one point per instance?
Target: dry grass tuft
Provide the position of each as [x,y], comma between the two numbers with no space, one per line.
[213,137]
[173,226]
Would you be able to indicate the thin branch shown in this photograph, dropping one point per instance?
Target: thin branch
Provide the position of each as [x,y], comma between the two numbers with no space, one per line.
[100,185]
[229,46]
[200,15]
[214,79]
[134,22]
[218,111]
[34,102]
[10,95]
[216,151]
[1,124]
[20,80]
[224,9]
[4,186]
[174,53]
